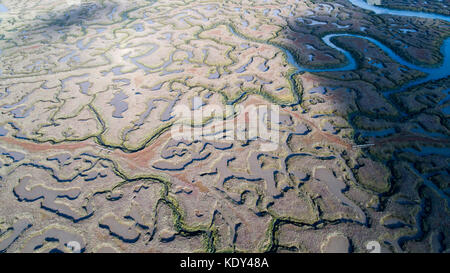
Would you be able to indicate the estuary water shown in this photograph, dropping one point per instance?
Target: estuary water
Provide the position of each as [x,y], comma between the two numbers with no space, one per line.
[433,72]
[381,10]
[3,8]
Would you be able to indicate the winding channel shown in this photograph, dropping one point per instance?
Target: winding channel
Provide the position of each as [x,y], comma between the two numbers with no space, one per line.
[381,10]
[433,72]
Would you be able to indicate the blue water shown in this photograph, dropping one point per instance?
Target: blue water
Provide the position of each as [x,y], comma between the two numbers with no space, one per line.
[430,134]
[111,14]
[380,10]
[380,133]
[446,110]
[3,8]
[100,30]
[429,150]
[119,104]
[431,185]
[433,73]
[138,27]
[85,87]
